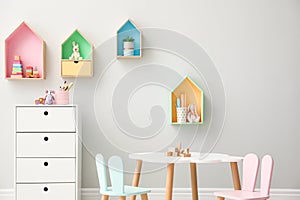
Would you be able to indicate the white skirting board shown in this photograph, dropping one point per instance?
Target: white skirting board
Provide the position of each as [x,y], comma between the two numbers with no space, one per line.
[185,193]
[178,194]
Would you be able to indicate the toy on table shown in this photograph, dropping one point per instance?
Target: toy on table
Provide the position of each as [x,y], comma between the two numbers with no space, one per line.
[49,97]
[192,115]
[17,70]
[178,152]
[75,55]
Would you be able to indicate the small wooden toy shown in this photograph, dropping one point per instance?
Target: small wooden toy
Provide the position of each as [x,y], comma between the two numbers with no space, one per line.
[29,72]
[17,71]
[36,101]
[39,101]
[178,152]
[42,100]
[35,73]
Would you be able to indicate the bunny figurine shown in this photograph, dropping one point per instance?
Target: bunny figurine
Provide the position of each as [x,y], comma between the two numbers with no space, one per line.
[192,115]
[75,55]
[49,97]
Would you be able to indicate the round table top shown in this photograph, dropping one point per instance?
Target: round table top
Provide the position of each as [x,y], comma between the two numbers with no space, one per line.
[196,157]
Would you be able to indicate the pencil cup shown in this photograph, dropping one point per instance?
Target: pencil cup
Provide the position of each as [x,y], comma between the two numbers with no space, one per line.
[61,97]
[181,114]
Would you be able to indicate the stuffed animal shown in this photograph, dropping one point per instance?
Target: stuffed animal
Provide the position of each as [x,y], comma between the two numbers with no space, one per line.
[49,97]
[75,55]
[192,115]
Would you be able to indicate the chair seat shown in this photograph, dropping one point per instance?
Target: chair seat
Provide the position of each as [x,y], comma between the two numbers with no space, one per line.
[128,191]
[241,195]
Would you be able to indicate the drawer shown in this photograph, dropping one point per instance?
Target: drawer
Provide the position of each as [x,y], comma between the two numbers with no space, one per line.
[65,191]
[45,119]
[42,170]
[46,145]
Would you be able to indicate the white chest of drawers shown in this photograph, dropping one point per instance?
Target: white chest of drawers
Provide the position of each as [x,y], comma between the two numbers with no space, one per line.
[48,153]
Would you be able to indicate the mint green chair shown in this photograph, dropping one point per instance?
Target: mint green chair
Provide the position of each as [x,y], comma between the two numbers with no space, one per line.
[115,166]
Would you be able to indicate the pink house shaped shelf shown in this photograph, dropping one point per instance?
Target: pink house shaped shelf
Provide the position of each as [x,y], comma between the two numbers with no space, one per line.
[30,47]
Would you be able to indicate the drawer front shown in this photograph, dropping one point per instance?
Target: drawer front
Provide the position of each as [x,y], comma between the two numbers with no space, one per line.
[45,119]
[42,170]
[65,191]
[46,145]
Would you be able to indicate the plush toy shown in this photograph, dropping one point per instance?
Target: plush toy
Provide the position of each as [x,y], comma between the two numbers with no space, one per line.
[49,97]
[192,115]
[75,55]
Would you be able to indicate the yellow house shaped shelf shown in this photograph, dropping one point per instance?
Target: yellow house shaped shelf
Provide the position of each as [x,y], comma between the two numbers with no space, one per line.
[73,67]
[193,94]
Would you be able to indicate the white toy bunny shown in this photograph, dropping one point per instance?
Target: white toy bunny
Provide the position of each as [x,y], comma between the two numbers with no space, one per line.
[75,55]
[192,115]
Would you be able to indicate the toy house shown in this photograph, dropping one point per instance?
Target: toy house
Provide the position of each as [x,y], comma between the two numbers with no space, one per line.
[193,95]
[129,41]
[24,49]
[76,56]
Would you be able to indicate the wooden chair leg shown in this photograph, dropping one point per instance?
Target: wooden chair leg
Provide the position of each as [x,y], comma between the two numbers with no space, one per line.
[220,198]
[136,176]
[122,198]
[104,197]
[144,196]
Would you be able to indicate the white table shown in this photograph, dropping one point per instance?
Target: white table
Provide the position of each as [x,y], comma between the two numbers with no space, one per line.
[196,158]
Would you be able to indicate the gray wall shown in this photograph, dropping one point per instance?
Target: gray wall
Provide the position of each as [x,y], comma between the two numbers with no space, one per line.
[252,46]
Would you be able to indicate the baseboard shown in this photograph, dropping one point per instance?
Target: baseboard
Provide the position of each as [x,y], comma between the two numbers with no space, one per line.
[178,194]
[185,193]
[6,194]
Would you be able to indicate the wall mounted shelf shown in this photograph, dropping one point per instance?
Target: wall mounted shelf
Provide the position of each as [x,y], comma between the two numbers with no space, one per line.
[129,41]
[194,95]
[82,67]
[23,42]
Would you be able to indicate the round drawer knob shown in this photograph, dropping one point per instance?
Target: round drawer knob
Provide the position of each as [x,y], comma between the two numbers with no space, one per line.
[46,113]
[45,189]
[46,138]
[46,164]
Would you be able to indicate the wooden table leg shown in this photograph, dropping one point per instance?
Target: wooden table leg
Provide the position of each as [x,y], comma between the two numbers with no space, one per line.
[169,181]
[144,196]
[193,168]
[235,175]
[136,176]
[104,197]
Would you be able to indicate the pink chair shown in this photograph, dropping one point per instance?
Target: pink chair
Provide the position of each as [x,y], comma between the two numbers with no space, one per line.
[247,192]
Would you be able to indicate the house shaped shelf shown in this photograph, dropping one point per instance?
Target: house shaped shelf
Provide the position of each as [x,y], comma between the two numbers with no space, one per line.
[193,95]
[25,44]
[129,31]
[73,67]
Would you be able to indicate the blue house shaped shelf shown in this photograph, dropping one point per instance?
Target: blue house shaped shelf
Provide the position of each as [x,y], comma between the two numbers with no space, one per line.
[194,95]
[129,30]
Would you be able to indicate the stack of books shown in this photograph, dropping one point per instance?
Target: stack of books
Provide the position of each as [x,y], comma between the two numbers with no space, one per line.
[17,71]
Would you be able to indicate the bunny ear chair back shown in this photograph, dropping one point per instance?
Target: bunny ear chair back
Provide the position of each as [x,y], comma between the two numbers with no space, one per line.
[115,166]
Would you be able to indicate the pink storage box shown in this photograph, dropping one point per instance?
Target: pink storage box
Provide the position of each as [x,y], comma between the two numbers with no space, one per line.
[61,97]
